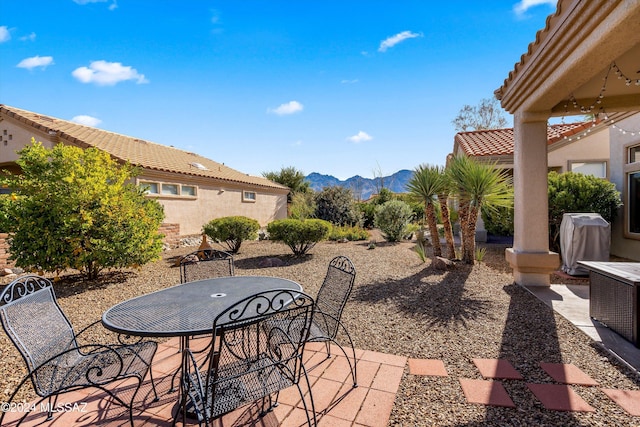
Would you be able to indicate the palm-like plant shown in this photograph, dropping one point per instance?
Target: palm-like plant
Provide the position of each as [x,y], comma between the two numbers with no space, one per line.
[429,184]
[476,185]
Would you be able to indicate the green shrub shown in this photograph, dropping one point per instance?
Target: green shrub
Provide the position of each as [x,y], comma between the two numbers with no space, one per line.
[302,206]
[498,221]
[367,213]
[299,235]
[392,219]
[75,208]
[336,205]
[232,230]
[349,233]
[575,192]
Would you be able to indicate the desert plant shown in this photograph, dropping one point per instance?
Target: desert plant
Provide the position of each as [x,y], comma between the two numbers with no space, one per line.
[300,235]
[367,213]
[392,219]
[499,221]
[348,233]
[477,185]
[336,205]
[75,208]
[575,192]
[480,253]
[302,205]
[232,231]
[289,177]
[421,250]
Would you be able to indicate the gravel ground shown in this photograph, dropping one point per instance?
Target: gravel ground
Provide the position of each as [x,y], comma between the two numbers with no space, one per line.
[403,306]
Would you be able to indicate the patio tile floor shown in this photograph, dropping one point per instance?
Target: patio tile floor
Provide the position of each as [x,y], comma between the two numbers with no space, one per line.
[497,368]
[337,402]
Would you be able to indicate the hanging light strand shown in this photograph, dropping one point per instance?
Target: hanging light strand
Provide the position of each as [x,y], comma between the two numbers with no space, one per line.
[621,76]
[611,122]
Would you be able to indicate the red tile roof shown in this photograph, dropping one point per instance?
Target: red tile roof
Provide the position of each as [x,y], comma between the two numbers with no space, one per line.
[138,152]
[499,142]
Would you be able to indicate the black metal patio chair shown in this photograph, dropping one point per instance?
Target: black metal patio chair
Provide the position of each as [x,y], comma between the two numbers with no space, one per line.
[205,264]
[257,353]
[56,362]
[330,302]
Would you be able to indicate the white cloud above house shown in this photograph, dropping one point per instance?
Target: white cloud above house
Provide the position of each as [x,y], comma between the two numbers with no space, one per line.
[5,35]
[30,38]
[35,62]
[360,137]
[390,42]
[86,120]
[523,6]
[103,73]
[286,109]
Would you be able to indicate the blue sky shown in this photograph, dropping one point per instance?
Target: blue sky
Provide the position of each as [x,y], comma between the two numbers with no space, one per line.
[336,87]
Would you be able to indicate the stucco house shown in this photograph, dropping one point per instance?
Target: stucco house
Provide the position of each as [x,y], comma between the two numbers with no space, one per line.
[193,189]
[578,147]
[585,61]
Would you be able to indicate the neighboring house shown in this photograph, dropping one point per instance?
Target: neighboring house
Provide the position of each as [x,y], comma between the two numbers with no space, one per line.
[192,188]
[585,61]
[577,147]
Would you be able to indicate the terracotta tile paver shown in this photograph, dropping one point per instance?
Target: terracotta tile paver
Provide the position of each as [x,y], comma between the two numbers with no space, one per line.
[388,378]
[376,408]
[497,368]
[433,367]
[483,392]
[567,373]
[387,359]
[629,400]
[559,397]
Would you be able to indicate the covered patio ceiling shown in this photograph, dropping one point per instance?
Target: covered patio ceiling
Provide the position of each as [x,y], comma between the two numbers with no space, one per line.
[584,47]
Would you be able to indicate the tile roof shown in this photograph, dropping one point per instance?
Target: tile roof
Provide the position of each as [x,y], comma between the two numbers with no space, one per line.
[499,142]
[138,152]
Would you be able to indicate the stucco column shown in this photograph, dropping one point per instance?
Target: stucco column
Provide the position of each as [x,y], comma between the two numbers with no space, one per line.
[530,258]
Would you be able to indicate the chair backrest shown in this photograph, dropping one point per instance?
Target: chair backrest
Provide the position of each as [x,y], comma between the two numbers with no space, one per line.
[333,294]
[259,348]
[34,321]
[205,264]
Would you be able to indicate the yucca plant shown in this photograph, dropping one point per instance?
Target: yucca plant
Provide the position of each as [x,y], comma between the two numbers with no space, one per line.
[477,185]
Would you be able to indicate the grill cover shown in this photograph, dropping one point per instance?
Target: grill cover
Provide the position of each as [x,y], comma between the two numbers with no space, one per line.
[583,237]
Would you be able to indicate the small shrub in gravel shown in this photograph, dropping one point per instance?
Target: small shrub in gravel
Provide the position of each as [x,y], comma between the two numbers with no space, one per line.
[299,235]
[232,230]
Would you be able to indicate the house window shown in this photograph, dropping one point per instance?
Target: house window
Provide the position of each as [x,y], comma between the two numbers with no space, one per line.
[634,202]
[150,187]
[188,190]
[248,196]
[597,169]
[632,169]
[170,189]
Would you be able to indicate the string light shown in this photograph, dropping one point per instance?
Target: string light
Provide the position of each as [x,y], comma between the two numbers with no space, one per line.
[615,126]
[622,76]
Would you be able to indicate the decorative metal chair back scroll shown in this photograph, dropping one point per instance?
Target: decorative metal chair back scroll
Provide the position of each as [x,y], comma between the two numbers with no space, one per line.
[330,302]
[56,363]
[257,353]
[205,264]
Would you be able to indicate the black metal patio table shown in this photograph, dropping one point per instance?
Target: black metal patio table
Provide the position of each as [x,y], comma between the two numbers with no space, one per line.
[187,309]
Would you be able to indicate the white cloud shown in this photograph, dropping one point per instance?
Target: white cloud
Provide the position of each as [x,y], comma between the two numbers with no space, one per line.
[86,120]
[35,61]
[31,37]
[360,137]
[112,6]
[394,40]
[290,107]
[523,6]
[5,36]
[105,73]
[349,82]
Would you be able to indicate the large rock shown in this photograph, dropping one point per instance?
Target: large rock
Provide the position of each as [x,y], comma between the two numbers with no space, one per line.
[440,263]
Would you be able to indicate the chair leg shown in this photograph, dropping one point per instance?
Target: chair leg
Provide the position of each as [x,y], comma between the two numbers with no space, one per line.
[313,406]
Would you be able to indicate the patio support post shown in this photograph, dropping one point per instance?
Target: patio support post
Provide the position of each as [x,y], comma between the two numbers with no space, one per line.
[530,258]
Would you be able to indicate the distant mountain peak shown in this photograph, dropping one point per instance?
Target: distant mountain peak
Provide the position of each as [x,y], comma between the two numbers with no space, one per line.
[363,188]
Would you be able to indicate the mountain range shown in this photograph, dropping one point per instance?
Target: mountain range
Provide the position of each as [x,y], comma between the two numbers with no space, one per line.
[362,188]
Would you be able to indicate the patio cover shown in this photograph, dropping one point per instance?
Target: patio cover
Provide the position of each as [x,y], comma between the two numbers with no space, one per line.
[583,237]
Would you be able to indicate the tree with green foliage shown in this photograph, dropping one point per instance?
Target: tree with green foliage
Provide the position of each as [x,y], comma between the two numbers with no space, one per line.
[232,230]
[477,185]
[575,193]
[337,205]
[75,208]
[289,177]
[392,218]
[300,235]
[430,184]
[303,206]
